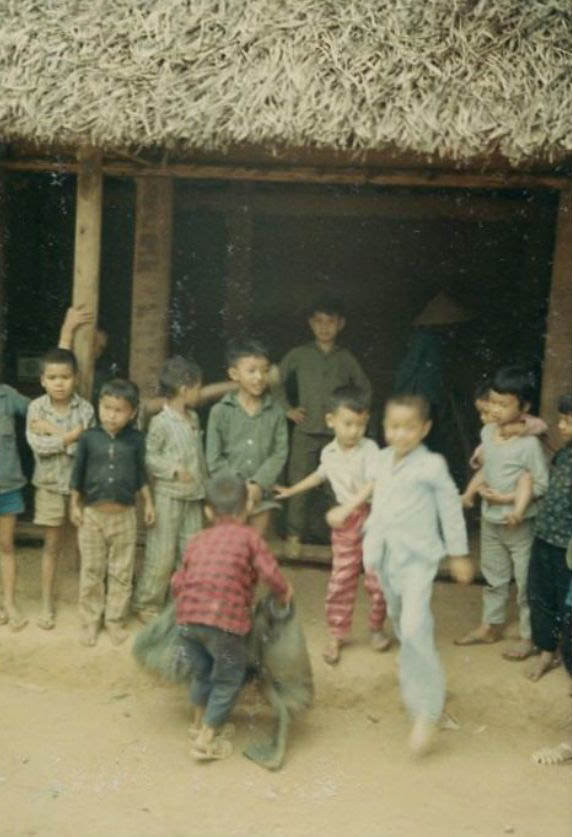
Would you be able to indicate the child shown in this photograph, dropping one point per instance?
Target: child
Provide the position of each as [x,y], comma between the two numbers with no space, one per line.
[11,502]
[347,462]
[175,460]
[505,548]
[247,430]
[416,518]
[55,422]
[108,473]
[549,576]
[213,591]
[318,368]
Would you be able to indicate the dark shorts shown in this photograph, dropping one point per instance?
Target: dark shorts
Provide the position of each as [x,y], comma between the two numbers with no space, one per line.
[11,502]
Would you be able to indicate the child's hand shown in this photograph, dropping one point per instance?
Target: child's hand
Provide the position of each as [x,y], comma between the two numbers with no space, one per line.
[475,462]
[281,492]
[44,428]
[336,517]
[513,428]
[513,519]
[76,317]
[296,414]
[495,498]
[467,500]
[254,496]
[76,514]
[149,514]
[461,568]
[287,597]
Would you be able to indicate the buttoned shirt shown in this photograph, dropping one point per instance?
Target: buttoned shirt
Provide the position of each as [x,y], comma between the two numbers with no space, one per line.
[317,375]
[554,519]
[109,468]
[416,510]
[174,444]
[52,461]
[215,584]
[504,462]
[348,469]
[11,404]
[254,447]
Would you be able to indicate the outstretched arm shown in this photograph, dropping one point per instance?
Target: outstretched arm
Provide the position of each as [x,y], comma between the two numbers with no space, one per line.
[74,318]
[313,480]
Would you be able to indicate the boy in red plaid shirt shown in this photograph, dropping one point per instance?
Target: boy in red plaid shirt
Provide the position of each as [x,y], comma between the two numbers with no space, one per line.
[213,593]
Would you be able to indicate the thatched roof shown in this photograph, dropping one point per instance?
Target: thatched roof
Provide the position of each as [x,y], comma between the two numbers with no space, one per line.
[456,78]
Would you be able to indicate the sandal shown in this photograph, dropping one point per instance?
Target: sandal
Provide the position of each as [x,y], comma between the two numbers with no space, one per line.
[219,748]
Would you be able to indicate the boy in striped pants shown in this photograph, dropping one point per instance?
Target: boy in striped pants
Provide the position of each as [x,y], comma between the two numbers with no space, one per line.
[347,463]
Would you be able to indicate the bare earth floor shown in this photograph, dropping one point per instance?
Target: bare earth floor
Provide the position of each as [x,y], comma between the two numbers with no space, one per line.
[91,745]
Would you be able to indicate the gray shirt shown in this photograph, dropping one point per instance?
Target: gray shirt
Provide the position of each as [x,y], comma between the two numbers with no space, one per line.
[317,375]
[174,444]
[416,510]
[348,470]
[11,404]
[505,460]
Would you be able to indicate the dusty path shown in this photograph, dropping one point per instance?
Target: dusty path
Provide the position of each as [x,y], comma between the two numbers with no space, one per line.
[90,745]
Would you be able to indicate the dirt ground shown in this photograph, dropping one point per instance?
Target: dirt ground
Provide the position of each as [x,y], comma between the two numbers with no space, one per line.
[92,745]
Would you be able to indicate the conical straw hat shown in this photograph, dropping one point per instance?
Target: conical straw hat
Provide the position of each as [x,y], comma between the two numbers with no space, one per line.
[442,310]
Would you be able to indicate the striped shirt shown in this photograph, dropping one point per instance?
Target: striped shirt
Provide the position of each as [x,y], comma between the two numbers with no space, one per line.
[174,444]
[215,584]
[53,461]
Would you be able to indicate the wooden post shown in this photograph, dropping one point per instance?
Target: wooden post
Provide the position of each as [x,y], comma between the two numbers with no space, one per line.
[89,194]
[238,285]
[151,285]
[557,368]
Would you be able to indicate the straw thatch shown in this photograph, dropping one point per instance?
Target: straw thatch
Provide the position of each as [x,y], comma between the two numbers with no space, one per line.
[456,78]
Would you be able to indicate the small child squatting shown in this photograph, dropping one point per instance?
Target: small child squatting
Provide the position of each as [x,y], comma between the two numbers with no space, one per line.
[348,462]
[416,518]
[213,592]
[108,473]
[506,548]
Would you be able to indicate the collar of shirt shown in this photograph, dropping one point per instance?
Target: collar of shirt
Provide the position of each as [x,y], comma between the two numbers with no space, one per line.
[313,345]
[74,401]
[231,398]
[125,431]
[334,447]
[405,461]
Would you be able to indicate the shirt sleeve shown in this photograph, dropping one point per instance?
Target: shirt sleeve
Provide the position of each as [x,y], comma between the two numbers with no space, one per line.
[216,458]
[268,472]
[77,480]
[534,425]
[18,403]
[266,566]
[449,510]
[535,463]
[157,461]
[41,445]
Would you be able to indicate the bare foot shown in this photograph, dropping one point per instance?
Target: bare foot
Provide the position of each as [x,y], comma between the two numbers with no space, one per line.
[483,635]
[117,633]
[520,651]
[380,641]
[46,620]
[554,755]
[545,663]
[422,735]
[225,731]
[3,617]
[88,636]
[16,621]
[332,653]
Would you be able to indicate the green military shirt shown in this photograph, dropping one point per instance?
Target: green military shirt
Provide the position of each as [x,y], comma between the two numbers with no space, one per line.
[254,447]
[318,374]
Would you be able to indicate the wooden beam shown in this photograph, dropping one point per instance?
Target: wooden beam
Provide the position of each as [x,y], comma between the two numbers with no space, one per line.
[351,176]
[557,367]
[87,256]
[151,281]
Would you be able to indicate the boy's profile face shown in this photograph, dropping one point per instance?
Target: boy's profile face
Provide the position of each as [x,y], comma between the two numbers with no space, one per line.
[115,413]
[483,408]
[404,428]
[505,407]
[326,327]
[58,380]
[348,426]
[565,426]
[251,374]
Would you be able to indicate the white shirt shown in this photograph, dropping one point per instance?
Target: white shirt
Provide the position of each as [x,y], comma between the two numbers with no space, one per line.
[348,469]
[416,510]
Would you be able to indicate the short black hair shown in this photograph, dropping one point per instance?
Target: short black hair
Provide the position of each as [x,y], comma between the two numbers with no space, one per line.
[245,347]
[121,388]
[565,404]
[226,493]
[414,400]
[178,372]
[482,391]
[327,304]
[514,380]
[349,396]
[57,355]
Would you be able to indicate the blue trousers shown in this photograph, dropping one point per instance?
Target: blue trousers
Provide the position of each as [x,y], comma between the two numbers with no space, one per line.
[407,582]
[218,660]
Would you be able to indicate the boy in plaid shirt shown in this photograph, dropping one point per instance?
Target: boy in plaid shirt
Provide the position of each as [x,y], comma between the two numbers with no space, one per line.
[213,593]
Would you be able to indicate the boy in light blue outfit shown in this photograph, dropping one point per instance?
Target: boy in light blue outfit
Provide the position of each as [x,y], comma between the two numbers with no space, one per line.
[416,518]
